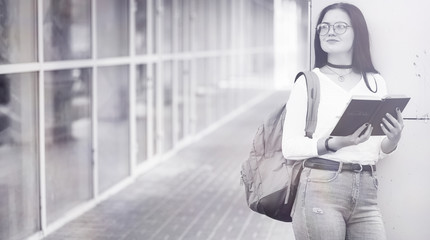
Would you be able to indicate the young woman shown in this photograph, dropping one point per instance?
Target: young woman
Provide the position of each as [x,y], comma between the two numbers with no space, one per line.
[337,195]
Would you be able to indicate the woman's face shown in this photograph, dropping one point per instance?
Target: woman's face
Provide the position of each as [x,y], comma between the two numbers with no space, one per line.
[333,42]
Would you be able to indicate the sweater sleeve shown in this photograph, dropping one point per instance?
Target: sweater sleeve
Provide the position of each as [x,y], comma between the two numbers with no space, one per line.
[295,145]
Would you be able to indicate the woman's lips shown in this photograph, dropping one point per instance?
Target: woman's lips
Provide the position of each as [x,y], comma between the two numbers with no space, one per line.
[332,40]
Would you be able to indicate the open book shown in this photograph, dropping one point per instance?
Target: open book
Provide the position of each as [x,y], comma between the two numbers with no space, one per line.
[361,110]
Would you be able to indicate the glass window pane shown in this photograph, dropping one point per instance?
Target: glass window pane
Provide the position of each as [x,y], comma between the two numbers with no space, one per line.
[215,92]
[230,76]
[153,92]
[19,184]
[167,24]
[224,92]
[141,27]
[182,86]
[202,95]
[67,29]
[200,30]
[185,73]
[227,16]
[183,25]
[113,125]
[112,28]
[168,105]
[17,31]
[67,140]
[212,36]
[141,112]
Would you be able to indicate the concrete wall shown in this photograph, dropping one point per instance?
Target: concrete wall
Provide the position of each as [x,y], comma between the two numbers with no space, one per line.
[400,42]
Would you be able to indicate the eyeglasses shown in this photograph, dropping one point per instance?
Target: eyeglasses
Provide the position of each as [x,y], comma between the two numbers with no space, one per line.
[338,28]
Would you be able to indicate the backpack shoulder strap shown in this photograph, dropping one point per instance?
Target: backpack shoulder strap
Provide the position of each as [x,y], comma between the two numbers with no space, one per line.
[313,90]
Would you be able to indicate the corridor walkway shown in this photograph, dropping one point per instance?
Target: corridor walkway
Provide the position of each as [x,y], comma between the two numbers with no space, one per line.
[195,194]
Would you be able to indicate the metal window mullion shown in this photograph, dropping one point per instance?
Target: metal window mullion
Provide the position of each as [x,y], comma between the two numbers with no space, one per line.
[42,161]
[223,25]
[41,119]
[150,26]
[175,103]
[19,67]
[232,48]
[132,87]
[159,108]
[242,52]
[174,71]
[208,61]
[184,70]
[242,45]
[224,46]
[193,103]
[150,80]
[150,110]
[192,71]
[159,96]
[114,61]
[94,92]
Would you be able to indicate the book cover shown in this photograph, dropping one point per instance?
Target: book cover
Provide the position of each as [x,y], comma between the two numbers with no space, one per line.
[360,111]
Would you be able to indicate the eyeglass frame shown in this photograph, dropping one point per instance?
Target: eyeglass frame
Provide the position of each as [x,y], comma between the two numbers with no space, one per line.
[332,25]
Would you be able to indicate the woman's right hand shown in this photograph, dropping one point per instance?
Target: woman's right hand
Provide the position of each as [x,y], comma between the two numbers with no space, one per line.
[362,134]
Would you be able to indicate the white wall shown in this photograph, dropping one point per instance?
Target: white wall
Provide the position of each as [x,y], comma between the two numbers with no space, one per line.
[400,42]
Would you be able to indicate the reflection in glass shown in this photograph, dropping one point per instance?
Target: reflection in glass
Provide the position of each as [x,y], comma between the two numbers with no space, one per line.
[19,195]
[141,27]
[183,85]
[168,105]
[67,140]
[214,92]
[212,35]
[67,29]
[112,28]
[202,95]
[18,38]
[181,23]
[153,88]
[167,39]
[223,85]
[229,83]
[226,24]
[200,21]
[113,125]
[141,112]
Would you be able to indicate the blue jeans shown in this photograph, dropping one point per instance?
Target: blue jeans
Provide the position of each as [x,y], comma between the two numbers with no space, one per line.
[334,205]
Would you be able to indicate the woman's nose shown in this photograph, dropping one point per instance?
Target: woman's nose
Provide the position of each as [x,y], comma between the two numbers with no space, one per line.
[331,30]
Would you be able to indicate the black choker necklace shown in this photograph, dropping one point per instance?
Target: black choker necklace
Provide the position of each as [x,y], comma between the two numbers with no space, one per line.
[339,66]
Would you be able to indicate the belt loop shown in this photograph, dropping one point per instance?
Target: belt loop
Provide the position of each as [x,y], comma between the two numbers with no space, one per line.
[303,163]
[339,170]
[373,171]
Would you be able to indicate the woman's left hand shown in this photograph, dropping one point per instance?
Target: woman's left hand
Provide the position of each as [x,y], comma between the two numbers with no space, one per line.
[393,127]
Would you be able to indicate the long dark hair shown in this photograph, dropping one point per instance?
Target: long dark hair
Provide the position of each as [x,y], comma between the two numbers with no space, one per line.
[361,59]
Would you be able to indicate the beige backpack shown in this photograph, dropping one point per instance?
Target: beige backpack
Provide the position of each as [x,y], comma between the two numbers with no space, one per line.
[270,180]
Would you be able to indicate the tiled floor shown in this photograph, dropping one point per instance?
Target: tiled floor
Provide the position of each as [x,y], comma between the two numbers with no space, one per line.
[193,195]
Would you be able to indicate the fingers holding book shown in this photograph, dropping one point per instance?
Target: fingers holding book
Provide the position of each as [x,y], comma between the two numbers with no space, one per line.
[362,134]
[393,127]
